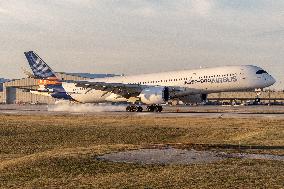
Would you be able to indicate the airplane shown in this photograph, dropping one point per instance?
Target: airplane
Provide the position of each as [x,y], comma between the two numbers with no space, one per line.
[153,89]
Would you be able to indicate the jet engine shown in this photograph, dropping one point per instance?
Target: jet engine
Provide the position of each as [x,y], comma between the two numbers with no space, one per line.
[155,95]
[194,99]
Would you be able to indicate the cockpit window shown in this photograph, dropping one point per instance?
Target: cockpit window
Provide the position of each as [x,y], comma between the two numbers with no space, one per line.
[261,72]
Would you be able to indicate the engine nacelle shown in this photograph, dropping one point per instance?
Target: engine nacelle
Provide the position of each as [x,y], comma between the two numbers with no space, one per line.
[155,95]
[194,99]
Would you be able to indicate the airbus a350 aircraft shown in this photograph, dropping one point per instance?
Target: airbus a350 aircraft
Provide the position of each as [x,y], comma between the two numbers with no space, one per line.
[151,89]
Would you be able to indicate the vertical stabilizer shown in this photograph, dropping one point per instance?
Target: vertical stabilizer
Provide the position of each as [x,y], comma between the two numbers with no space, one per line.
[38,66]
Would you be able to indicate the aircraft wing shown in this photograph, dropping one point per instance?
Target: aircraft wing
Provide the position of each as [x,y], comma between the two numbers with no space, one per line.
[125,90]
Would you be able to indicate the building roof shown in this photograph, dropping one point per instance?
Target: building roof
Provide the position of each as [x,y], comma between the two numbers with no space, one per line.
[2,80]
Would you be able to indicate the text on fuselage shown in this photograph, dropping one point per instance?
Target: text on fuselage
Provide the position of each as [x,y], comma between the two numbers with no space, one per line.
[214,80]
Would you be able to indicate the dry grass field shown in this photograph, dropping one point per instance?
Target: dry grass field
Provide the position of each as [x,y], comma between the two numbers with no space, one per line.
[60,152]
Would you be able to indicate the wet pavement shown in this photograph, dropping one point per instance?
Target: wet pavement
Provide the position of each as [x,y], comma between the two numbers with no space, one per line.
[179,156]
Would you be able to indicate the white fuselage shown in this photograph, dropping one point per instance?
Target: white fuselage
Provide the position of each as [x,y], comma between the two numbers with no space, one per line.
[200,81]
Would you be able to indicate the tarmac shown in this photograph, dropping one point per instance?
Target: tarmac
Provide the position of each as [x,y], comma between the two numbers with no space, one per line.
[269,112]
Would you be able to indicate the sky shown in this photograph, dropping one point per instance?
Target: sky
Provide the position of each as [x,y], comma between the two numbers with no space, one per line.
[142,36]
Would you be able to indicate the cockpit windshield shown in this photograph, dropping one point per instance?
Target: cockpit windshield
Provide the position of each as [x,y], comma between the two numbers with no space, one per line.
[261,72]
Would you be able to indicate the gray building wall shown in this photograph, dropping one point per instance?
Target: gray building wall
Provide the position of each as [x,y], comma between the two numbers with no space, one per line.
[1,97]
[13,95]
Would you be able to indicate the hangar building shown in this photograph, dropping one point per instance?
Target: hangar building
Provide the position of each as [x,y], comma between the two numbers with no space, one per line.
[10,94]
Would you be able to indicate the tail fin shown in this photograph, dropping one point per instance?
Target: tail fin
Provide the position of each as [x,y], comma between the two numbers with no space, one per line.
[39,67]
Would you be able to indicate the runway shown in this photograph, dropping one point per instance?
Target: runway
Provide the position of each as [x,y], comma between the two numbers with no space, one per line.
[268,112]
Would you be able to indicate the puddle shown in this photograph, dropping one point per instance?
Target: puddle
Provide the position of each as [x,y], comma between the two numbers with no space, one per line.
[178,156]
[255,156]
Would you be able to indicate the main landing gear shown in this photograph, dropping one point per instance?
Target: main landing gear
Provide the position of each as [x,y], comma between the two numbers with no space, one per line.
[154,108]
[150,108]
[134,108]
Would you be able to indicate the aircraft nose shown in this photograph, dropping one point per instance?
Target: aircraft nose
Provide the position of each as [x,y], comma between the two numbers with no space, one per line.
[271,80]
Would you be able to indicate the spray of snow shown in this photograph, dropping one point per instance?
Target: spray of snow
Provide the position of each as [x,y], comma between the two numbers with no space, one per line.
[85,108]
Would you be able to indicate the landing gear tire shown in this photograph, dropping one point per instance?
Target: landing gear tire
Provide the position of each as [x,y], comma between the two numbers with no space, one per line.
[134,109]
[159,108]
[139,109]
[154,108]
[128,108]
